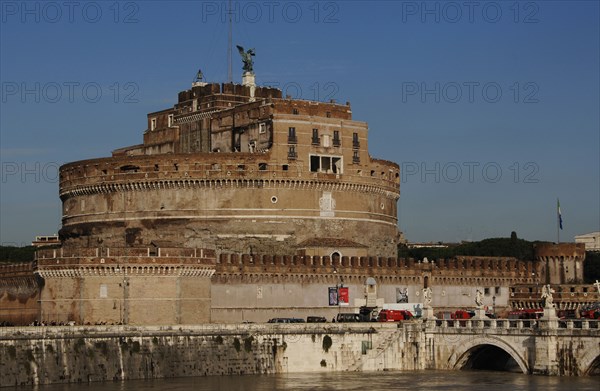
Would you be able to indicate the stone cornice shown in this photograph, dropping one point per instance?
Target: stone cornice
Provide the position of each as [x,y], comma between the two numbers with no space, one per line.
[138,270]
[223,183]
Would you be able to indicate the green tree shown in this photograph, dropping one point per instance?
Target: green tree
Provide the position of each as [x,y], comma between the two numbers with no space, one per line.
[17,254]
[591,266]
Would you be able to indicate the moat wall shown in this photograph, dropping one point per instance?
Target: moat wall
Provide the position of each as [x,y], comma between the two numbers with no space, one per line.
[35,355]
[77,354]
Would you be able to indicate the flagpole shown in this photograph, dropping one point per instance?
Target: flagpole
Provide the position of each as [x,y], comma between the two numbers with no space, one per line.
[558,222]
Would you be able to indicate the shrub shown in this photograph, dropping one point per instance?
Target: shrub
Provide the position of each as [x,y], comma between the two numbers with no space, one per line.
[248,344]
[327,342]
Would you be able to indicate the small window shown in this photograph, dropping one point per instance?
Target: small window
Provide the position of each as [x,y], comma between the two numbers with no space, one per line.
[497,290]
[153,124]
[262,128]
[355,142]
[170,120]
[328,114]
[241,167]
[486,291]
[295,111]
[292,136]
[262,166]
[355,158]
[284,167]
[292,155]
[315,137]
[336,138]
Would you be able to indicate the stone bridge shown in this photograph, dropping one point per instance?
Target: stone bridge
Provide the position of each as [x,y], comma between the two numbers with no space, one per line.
[545,347]
[549,347]
[68,354]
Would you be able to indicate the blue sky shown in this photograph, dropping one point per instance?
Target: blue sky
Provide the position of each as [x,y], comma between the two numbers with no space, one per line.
[491,108]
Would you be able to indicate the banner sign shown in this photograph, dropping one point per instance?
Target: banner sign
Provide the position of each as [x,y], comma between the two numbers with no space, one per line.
[343,296]
[333,295]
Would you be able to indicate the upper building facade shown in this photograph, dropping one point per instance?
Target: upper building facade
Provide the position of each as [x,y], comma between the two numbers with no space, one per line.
[591,241]
[238,168]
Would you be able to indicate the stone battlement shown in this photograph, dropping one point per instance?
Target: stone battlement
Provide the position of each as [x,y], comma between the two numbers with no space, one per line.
[24,269]
[467,270]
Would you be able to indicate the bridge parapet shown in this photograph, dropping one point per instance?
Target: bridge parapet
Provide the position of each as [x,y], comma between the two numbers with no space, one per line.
[527,326]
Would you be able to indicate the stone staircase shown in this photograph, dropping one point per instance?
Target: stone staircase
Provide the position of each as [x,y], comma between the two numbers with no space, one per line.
[374,359]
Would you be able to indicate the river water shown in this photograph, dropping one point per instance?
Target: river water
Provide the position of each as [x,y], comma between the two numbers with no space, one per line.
[348,381]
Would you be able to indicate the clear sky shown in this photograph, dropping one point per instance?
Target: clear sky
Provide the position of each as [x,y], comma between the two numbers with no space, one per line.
[491,108]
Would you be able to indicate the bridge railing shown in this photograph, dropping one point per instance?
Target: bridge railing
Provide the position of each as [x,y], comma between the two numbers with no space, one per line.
[515,323]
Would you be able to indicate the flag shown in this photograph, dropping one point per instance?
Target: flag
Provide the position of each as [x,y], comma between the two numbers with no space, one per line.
[559,215]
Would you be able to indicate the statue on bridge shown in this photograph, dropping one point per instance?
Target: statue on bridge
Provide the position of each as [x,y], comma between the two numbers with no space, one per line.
[479,298]
[427,293]
[547,298]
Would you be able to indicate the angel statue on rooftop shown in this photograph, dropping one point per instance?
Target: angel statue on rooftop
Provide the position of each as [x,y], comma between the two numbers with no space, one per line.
[247,58]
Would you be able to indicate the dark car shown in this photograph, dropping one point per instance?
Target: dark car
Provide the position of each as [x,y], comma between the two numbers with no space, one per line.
[348,317]
[316,319]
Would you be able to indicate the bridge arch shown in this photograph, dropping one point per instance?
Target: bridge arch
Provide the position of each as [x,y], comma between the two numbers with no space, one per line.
[472,353]
[590,362]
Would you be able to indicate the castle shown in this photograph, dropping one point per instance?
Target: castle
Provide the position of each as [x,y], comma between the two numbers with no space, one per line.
[241,205]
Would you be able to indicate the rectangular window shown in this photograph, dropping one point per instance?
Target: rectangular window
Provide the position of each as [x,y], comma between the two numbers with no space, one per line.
[262,128]
[355,158]
[315,137]
[336,138]
[292,136]
[292,155]
[153,124]
[326,164]
[295,111]
[170,120]
[355,142]
[497,290]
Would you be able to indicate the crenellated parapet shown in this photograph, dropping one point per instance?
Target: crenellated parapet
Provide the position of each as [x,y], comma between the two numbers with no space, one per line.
[560,263]
[500,271]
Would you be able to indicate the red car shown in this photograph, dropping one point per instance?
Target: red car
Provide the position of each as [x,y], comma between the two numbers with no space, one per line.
[463,314]
[394,315]
[591,312]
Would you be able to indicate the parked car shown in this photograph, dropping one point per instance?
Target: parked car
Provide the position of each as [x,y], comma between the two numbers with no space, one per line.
[534,313]
[591,311]
[394,315]
[286,320]
[316,319]
[348,317]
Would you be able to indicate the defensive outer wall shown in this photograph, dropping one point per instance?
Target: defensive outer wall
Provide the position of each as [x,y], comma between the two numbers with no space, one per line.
[43,355]
[171,286]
